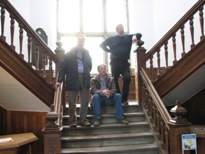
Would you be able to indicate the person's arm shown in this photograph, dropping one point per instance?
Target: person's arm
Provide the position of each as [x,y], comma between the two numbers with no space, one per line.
[112,86]
[105,45]
[94,88]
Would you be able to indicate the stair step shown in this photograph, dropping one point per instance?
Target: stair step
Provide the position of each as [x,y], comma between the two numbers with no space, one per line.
[110,118]
[107,109]
[131,149]
[132,127]
[107,140]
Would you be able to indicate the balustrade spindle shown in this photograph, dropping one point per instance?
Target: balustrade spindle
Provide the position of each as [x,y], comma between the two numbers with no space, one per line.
[151,68]
[50,71]
[29,45]
[182,40]
[166,54]
[174,48]
[158,62]
[21,41]
[12,32]
[44,65]
[2,23]
[201,19]
[37,57]
[191,23]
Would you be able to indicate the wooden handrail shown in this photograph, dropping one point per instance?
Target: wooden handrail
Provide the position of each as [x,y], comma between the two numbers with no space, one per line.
[154,54]
[58,103]
[156,98]
[32,36]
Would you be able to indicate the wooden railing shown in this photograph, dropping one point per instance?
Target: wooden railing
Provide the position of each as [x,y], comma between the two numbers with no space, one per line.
[177,42]
[156,63]
[26,37]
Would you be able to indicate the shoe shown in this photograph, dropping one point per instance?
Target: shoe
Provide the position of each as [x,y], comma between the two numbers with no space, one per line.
[96,123]
[125,103]
[85,123]
[123,121]
[73,124]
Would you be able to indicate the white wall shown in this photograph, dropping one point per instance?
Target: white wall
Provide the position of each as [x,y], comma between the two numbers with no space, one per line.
[39,14]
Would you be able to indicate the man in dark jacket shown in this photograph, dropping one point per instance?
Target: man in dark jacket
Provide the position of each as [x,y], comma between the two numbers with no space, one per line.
[76,66]
[119,46]
[103,92]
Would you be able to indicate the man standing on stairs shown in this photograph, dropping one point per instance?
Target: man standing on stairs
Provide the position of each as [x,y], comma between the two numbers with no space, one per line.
[119,46]
[76,66]
[103,92]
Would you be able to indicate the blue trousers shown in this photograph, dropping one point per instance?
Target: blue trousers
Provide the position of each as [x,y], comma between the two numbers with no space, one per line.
[115,100]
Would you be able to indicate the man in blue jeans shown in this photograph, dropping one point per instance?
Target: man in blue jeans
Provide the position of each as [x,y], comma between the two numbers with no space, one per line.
[103,91]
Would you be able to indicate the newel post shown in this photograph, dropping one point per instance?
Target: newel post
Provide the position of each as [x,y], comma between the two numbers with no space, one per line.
[178,126]
[52,133]
[139,62]
[60,52]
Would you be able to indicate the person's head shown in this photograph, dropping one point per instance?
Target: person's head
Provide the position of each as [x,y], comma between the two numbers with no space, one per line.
[81,40]
[102,69]
[120,29]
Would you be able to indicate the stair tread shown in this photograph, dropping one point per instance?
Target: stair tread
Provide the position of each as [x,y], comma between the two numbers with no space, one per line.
[108,125]
[110,115]
[108,149]
[103,136]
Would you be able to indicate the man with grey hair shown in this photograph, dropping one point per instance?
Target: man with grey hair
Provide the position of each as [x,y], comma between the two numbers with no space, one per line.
[76,67]
[103,92]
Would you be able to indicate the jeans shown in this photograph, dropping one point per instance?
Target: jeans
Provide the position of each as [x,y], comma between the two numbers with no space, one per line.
[115,100]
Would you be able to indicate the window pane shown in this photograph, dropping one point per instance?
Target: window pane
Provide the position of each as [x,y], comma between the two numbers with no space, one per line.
[92,16]
[69,16]
[116,15]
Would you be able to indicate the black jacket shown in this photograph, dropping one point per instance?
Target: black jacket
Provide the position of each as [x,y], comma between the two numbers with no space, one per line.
[69,69]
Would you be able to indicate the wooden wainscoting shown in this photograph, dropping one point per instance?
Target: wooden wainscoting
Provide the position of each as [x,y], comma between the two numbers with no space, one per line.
[25,121]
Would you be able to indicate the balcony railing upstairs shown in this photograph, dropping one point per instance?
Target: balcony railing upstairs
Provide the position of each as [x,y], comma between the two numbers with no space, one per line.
[20,36]
[176,43]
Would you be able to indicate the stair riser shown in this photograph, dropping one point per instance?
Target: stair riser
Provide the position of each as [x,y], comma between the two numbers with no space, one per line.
[110,120]
[96,131]
[143,151]
[103,142]
[109,109]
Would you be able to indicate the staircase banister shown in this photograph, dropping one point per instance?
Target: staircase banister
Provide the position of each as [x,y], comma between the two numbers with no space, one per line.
[160,105]
[58,103]
[28,29]
[174,29]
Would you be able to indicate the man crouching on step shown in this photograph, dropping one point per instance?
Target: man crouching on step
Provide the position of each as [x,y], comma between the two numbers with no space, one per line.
[103,91]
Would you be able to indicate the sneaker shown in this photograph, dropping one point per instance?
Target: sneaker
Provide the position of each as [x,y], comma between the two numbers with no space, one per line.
[85,123]
[73,124]
[96,123]
[125,103]
[123,121]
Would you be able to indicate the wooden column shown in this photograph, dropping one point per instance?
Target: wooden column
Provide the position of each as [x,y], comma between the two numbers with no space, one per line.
[52,133]
[139,63]
[178,126]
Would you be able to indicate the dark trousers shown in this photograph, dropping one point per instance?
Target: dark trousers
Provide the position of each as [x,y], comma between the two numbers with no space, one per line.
[121,67]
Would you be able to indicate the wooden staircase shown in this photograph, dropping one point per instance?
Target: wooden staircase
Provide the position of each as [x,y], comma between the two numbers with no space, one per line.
[110,137]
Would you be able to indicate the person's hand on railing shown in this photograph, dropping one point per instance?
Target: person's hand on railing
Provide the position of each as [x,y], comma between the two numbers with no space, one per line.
[57,85]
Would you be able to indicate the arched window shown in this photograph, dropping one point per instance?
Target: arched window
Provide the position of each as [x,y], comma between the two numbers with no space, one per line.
[97,19]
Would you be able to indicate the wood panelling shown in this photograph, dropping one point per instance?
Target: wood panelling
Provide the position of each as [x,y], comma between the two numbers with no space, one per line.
[25,121]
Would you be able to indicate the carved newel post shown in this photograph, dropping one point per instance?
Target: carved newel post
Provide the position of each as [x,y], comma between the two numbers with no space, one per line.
[178,126]
[52,133]
[139,62]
